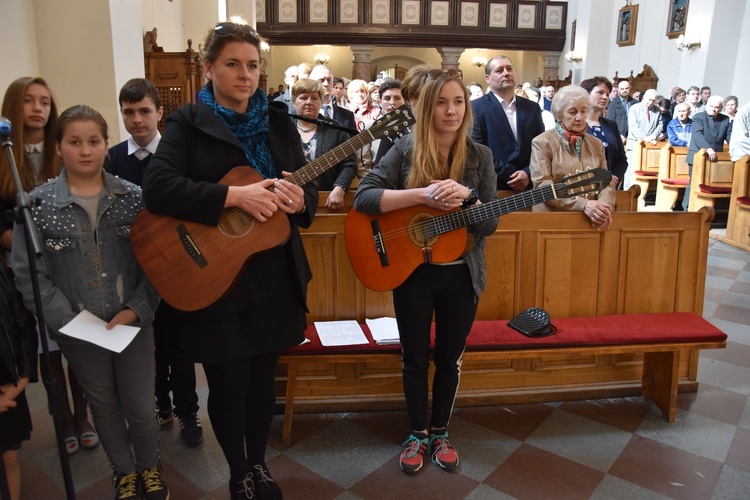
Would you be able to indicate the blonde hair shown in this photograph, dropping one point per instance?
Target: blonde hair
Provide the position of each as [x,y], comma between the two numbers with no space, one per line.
[355,85]
[427,163]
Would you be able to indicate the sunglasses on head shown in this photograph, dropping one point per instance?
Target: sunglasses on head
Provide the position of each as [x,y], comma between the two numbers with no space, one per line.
[227,28]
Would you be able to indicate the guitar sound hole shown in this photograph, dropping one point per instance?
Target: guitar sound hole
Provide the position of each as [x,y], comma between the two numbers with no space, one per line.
[235,223]
[420,230]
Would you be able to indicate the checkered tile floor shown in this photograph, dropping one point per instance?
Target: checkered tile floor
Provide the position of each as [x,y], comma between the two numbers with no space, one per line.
[608,449]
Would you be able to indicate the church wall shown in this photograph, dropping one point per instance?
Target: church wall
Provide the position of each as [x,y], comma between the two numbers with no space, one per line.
[18,40]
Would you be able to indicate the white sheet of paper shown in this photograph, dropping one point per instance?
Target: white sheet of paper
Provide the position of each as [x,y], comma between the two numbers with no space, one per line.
[333,333]
[384,330]
[88,327]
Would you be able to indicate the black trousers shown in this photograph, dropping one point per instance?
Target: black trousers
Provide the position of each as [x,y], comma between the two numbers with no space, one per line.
[173,372]
[241,404]
[446,291]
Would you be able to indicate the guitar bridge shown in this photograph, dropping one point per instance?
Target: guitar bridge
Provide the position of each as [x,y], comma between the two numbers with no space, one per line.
[377,238]
[190,247]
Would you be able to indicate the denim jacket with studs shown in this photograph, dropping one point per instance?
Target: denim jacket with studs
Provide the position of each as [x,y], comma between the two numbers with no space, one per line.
[85,267]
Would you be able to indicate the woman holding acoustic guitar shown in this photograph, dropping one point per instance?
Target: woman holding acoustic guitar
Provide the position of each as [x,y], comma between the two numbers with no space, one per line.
[440,167]
[238,338]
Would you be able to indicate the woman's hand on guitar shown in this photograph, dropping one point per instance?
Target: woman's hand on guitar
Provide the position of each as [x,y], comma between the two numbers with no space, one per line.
[289,197]
[447,194]
[255,199]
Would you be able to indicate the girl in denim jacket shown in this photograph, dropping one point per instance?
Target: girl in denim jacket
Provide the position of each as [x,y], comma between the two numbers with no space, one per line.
[83,222]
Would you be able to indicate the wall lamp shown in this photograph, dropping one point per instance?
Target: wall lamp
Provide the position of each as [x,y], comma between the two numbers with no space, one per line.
[683,44]
[572,57]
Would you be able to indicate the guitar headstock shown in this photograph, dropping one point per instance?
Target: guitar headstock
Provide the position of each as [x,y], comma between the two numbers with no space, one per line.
[580,183]
[393,124]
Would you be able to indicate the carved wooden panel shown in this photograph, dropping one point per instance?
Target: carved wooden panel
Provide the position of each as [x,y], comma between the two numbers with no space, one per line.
[494,24]
[649,270]
[568,273]
[411,12]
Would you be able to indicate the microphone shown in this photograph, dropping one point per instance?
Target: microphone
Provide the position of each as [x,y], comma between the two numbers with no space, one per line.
[4,126]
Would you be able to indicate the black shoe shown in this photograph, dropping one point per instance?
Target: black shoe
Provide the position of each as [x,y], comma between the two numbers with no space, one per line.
[165,416]
[127,487]
[265,487]
[191,430]
[243,489]
[153,485]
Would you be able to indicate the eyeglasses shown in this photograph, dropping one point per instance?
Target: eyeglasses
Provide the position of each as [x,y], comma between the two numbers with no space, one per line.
[227,28]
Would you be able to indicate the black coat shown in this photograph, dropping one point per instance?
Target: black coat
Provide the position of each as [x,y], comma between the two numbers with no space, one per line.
[18,337]
[492,129]
[617,161]
[707,134]
[195,152]
[617,111]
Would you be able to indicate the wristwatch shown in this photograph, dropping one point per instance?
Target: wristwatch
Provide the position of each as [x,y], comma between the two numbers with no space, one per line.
[472,199]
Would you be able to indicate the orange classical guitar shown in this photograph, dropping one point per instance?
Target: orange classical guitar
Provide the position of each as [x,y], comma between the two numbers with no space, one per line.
[193,265]
[385,249]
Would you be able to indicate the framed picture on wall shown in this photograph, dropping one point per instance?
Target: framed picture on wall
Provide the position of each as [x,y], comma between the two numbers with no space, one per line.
[626,25]
[573,35]
[678,11]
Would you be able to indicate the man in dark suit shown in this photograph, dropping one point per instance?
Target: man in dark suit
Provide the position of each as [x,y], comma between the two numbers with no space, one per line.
[709,131]
[506,125]
[329,108]
[618,108]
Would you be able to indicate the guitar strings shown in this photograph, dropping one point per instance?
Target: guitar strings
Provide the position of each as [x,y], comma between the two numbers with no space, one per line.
[440,224]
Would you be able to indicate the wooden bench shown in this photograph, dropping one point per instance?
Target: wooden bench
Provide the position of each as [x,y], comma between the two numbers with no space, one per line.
[661,338]
[711,180]
[738,221]
[646,158]
[674,176]
[648,262]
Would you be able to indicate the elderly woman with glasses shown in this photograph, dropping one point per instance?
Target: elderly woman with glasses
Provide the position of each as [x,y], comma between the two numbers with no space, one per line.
[567,148]
[238,339]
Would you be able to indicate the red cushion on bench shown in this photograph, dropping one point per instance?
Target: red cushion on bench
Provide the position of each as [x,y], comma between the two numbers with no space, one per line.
[714,189]
[615,329]
[647,173]
[675,181]
[745,200]
[600,330]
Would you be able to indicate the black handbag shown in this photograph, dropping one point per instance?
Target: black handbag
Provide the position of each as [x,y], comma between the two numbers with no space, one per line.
[533,322]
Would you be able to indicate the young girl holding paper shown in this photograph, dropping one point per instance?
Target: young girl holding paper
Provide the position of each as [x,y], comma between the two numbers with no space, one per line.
[83,223]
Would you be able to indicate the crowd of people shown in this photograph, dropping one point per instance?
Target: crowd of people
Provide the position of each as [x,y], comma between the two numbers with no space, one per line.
[466,144]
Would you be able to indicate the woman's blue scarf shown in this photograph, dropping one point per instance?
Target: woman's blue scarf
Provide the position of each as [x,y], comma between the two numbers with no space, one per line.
[250,128]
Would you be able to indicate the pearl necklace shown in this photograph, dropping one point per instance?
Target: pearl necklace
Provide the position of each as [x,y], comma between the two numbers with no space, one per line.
[303,129]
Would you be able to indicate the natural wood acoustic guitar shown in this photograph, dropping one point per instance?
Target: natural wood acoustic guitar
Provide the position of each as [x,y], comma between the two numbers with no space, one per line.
[385,249]
[193,265]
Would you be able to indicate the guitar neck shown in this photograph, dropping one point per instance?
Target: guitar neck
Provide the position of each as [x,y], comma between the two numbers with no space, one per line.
[320,165]
[496,208]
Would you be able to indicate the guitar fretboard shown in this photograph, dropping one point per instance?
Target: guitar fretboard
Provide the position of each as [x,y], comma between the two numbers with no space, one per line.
[320,165]
[500,206]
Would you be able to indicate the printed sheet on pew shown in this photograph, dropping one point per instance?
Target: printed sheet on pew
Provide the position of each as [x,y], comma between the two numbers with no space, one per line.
[335,333]
[384,330]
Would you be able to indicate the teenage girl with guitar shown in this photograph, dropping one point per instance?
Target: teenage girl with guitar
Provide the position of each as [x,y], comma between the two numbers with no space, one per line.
[440,167]
[238,338]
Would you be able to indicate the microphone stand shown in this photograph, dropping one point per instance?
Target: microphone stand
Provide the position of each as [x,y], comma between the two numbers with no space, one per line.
[34,249]
[324,121]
